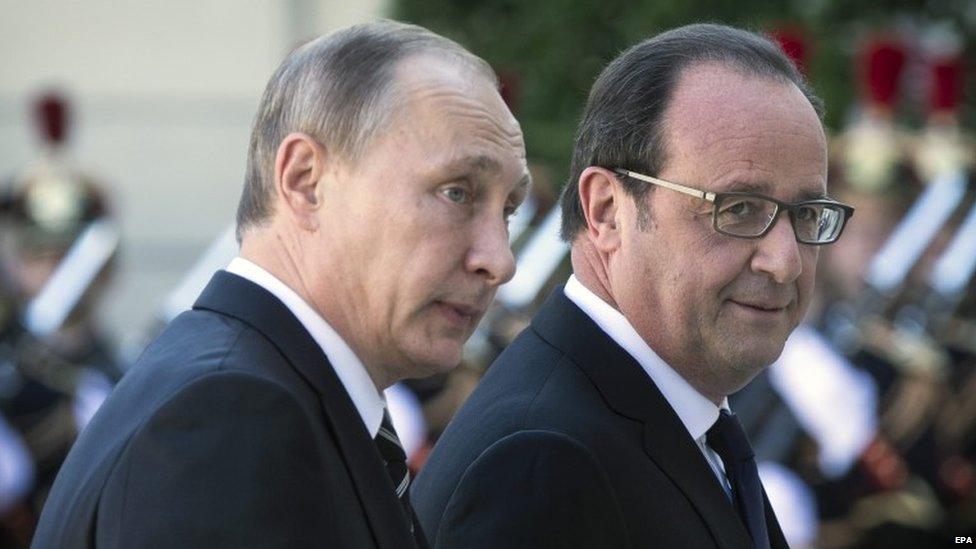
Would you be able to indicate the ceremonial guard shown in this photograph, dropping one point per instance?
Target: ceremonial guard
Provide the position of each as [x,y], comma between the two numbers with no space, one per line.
[56,368]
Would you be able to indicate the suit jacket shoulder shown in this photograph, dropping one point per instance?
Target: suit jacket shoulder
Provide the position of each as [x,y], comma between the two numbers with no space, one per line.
[555,492]
[267,473]
[231,429]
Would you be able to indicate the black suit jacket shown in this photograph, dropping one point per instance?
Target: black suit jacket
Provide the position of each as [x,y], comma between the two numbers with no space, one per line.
[567,442]
[232,430]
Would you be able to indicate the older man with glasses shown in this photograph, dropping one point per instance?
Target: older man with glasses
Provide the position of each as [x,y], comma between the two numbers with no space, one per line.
[606,423]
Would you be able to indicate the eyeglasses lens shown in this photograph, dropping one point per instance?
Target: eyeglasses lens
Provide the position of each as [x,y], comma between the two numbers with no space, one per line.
[750,216]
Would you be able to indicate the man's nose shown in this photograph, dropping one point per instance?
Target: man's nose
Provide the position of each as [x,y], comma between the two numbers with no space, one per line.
[490,254]
[778,253]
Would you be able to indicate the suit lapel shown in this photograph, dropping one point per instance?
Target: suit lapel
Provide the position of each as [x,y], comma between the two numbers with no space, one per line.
[232,295]
[630,392]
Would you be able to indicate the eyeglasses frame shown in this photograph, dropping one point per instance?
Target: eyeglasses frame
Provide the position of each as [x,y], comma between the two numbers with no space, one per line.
[716,198]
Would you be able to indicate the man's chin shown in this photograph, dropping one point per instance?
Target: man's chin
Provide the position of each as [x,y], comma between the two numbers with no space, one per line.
[433,360]
[759,357]
[751,353]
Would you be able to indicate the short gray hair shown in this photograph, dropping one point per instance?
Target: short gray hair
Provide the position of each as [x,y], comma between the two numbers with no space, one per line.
[339,89]
[622,125]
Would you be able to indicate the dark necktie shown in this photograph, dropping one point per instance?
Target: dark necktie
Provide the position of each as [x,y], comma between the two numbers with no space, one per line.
[729,440]
[392,453]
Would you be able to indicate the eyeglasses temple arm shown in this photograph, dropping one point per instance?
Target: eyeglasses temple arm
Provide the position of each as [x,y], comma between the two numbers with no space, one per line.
[667,184]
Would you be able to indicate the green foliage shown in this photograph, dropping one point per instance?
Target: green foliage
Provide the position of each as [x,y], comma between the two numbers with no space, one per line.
[555,48]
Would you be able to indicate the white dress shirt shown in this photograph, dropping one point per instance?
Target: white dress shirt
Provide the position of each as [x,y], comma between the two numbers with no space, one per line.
[696,412]
[367,399]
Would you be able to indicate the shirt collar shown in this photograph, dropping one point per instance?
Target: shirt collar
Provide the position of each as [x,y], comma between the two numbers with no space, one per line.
[352,374]
[696,412]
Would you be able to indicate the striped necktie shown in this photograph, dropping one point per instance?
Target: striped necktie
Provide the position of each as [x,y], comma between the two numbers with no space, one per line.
[392,453]
[728,439]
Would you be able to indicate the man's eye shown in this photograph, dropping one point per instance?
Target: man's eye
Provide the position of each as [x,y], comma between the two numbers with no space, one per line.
[807,213]
[740,208]
[458,195]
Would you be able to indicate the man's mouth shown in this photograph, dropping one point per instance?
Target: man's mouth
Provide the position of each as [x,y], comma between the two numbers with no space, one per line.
[459,314]
[761,308]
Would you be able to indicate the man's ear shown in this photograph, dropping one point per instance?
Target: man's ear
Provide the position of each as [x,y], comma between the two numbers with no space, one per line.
[299,165]
[600,195]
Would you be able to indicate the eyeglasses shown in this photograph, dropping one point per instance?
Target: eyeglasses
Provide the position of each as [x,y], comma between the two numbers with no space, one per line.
[750,215]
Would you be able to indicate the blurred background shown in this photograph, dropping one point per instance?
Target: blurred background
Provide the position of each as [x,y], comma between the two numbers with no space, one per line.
[123,134]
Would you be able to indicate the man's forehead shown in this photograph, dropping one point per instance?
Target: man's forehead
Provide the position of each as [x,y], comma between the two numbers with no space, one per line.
[488,165]
[712,103]
[712,96]
[419,74]
[456,92]
[728,131]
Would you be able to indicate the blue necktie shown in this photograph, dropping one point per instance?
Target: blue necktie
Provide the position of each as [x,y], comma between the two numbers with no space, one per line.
[728,439]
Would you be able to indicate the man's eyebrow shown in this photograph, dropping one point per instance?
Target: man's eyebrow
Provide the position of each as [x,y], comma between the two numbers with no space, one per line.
[485,163]
[749,187]
[810,194]
[481,162]
[765,189]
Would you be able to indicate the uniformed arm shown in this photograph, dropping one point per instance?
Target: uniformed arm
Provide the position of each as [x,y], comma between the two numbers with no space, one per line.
[533,489]
[229,461]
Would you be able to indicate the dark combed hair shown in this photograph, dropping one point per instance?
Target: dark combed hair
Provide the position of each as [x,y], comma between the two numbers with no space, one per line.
[622,126]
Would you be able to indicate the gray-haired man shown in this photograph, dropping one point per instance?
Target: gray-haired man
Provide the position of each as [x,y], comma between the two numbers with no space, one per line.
[383,165]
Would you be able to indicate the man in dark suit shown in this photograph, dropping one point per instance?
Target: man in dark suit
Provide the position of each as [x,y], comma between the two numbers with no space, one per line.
[695,209]
[382,167]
